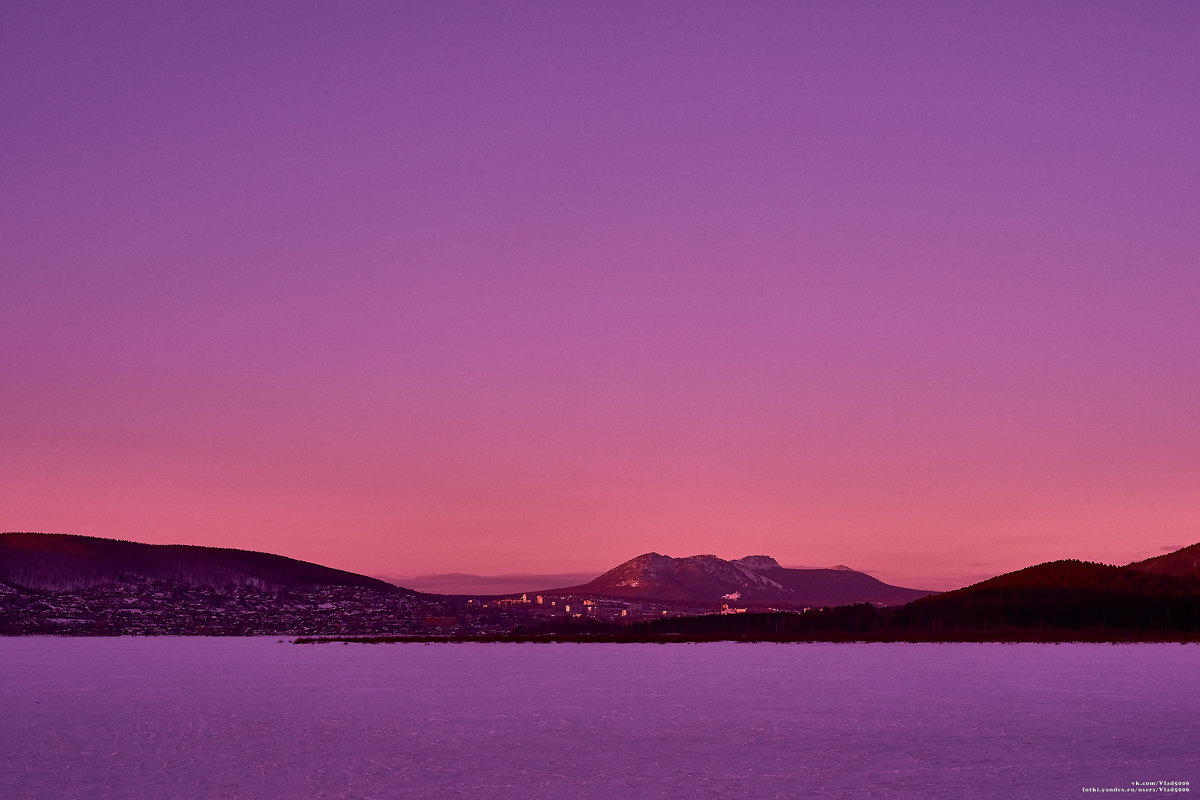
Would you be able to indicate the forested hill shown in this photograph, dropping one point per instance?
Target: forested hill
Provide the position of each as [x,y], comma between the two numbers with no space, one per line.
[1065,594]
[1183,563]
[66,562]
[1072,574]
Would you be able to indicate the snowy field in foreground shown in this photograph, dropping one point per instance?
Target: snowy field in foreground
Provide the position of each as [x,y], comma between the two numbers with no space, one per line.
[242,718]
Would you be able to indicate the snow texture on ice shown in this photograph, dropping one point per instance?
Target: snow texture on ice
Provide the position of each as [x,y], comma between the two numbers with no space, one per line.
[253,718]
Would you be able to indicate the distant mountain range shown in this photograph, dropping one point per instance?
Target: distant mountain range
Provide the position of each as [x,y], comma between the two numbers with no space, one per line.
[467,584]
[753,581]
[65,562]
[83,585]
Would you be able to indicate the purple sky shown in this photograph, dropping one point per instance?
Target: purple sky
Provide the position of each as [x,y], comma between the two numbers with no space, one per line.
[412,288]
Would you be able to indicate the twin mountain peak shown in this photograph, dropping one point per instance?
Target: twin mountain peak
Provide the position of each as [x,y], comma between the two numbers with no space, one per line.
[756,580]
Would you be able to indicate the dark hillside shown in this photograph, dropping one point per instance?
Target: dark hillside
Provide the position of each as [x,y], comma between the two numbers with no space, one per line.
[1071,595]
[1183,563]
[61,562]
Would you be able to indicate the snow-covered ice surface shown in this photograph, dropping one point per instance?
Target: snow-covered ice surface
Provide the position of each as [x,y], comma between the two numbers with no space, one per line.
[241,718]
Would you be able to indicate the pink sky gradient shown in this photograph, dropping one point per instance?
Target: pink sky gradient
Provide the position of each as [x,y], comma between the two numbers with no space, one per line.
[410,288]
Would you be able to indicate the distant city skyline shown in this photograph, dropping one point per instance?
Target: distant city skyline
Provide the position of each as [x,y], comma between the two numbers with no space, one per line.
[411,289]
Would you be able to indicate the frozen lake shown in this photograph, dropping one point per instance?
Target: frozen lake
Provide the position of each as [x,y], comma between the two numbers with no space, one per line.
[253,718]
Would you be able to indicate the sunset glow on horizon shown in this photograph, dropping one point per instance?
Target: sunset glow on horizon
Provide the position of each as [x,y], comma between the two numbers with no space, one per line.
[411,288]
